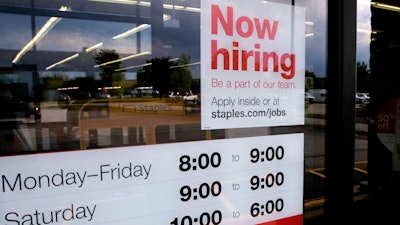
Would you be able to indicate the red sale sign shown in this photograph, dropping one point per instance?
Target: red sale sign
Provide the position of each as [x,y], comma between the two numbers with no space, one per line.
[385,124]
[386,118]
[387,128]
[252,64]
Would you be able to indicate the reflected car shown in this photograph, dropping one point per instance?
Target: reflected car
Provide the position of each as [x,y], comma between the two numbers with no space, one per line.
[144,91]
[190,97]
[309,98]
[103,94]
[15,108]
[362,97]
[64,101]
[175,94]
[362,109]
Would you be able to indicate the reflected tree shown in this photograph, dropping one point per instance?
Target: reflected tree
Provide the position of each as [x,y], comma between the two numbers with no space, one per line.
[109,75]
[156,74]
[87,87]
[181,77]
[363,77]
[55,81]
[165,74]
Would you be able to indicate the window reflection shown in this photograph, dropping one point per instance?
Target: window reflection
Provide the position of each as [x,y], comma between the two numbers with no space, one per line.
[83,73]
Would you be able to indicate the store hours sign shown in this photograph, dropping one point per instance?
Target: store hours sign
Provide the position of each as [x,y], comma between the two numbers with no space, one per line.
[255,180]
[252,64]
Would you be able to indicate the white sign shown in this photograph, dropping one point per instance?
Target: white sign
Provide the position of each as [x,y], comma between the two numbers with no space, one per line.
[252,64]
[234,181]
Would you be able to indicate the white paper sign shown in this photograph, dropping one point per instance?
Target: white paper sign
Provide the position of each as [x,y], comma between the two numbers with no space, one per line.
[233,181]
[252,64]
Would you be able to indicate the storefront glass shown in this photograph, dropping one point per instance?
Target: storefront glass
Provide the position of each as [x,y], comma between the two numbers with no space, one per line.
[127,78]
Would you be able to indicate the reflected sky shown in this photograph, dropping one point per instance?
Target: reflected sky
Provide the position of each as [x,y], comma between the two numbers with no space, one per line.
[363,30]
[70,36]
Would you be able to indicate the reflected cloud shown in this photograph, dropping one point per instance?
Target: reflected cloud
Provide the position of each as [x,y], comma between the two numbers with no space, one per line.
[363,30]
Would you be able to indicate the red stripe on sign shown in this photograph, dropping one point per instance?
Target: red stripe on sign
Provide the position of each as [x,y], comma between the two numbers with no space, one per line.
[293,220]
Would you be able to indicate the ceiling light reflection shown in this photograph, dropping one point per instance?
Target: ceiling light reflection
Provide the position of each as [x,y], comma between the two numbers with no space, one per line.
[144,3]
[132,67]
[132,31]
[40,34]
[142,65]
[385,6]
[309,23]
[125,2]
[138,28]
[122,59]
[62,61]
[96,46]
[189,64]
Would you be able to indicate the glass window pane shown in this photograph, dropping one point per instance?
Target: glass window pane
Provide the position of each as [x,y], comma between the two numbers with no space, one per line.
[105,75]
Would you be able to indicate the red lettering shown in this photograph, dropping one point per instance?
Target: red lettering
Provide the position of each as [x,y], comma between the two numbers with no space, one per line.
[266,26]
[239,26]
[288,68]
[244,25]
[235,54]
[266,57]
[236,59]
[257,57]
[214,56]
[245,58]
[216,83]
[216,15]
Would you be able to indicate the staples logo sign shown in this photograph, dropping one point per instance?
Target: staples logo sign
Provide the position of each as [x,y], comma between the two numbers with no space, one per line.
[252,64]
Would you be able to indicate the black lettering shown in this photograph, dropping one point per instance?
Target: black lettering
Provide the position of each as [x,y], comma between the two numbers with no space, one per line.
[17,181]
[11,214]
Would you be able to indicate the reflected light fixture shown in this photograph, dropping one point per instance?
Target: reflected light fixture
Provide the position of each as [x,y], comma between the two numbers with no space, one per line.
[144,3]
[142,65]
[93,47]
[385,6]
[183,8]
[138,28]
[125,2]
[98,45]
[62,61]
[122,59]
[309,23]
[39,35]
[132,31]
[189,64]
[364,31]
[67,88]
[132,67]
